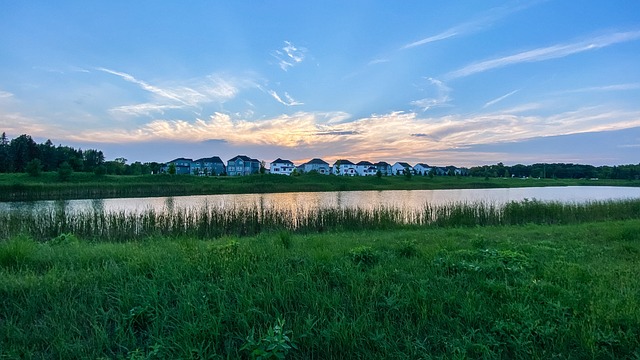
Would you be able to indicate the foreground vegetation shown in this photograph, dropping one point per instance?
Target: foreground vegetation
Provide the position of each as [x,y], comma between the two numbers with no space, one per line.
[213,222]
[47,186]
[526,291]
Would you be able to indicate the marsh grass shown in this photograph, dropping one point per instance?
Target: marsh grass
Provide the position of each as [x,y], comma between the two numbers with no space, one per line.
[213,222]
[510,292]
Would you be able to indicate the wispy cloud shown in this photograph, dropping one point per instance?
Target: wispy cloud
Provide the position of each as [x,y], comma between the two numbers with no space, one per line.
[482,22]
[617,87]
[441,97]
[5,94]
[497,100]
[167,94]
[212,88]
[145,109]
[289,101]
[546,53]
[289,55]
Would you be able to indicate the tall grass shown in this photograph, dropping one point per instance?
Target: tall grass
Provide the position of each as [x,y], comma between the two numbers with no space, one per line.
[214,222]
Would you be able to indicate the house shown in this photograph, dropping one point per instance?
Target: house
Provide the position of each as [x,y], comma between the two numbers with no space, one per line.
[242,165]
[281,167]
[182,165]
[318,165]
[400,167]
[384,168]
[344,167]
[422,169]
[365,168]
[441,171]
[208,166]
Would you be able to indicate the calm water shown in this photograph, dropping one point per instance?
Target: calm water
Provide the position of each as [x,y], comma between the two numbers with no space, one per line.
[408,199]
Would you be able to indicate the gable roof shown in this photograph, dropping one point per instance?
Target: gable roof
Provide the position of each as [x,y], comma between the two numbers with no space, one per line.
[242,157]
[213,159]
[179,159]
[403,164]
[382,163]
[317,161]
[281,161]
[344,162]
[423,165]
[364,163]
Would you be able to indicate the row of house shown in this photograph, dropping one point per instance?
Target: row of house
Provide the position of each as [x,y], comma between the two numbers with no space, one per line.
[244,165]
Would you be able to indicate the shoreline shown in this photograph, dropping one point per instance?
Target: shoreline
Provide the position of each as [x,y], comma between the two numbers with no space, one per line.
[21,187]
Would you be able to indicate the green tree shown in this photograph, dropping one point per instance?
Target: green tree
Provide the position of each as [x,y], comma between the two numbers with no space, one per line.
[172,169]
[100,170]
[5,159]
[34,167]
[64,171]
[22,150]
[92,159]
[407,173]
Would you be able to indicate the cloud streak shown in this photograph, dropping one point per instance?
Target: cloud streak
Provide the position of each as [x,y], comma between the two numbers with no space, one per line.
[546,53]
[212,88]
[289,101]
[497,100]
[469,27]
[5,94]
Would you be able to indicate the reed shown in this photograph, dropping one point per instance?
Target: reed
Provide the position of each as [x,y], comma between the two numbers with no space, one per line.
[214,222]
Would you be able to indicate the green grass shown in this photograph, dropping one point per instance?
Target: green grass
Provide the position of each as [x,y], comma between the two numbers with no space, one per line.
[509,292]
[84,185]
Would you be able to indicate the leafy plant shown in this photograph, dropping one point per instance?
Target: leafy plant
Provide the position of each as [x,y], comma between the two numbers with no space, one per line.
[363,256]
[276,344]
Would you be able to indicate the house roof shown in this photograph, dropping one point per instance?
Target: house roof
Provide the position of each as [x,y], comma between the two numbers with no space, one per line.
[364,163]
[343,162]
[213,159]
[179,159]
[317,161]
[403,164]
[242,157]
[423,165]
[281,161]
[382,163]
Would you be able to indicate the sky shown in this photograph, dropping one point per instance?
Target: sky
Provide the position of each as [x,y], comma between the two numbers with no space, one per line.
[460,83]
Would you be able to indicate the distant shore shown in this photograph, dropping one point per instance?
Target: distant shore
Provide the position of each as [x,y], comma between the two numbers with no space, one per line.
[21,187]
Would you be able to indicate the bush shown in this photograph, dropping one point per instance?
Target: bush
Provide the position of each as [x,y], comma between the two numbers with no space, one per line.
[363,256]
[65,171]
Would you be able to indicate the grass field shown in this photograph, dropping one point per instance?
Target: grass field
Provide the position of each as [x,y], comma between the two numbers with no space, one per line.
[85,185]
[526,291]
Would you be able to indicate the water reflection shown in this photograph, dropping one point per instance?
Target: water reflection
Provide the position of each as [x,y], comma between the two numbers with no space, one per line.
[405,199]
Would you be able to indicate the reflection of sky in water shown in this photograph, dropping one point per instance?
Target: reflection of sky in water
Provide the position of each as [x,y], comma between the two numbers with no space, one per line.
[406,199]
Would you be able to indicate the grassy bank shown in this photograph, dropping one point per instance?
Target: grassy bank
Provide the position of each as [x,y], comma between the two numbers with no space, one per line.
[532,291]
[211,222]
[85,186]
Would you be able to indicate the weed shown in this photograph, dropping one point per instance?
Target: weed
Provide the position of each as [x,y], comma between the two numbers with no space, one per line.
[276,344]
[363,256]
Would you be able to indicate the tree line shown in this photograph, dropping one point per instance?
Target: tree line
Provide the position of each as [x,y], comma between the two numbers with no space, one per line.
[23,154]
[558,171]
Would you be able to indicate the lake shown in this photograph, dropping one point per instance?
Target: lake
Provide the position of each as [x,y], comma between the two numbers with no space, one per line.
[405,199]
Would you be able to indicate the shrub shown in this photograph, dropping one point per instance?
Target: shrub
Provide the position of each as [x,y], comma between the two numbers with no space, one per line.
[363,256]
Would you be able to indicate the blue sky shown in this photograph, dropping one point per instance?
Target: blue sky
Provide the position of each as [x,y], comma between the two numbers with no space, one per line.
[463,83]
